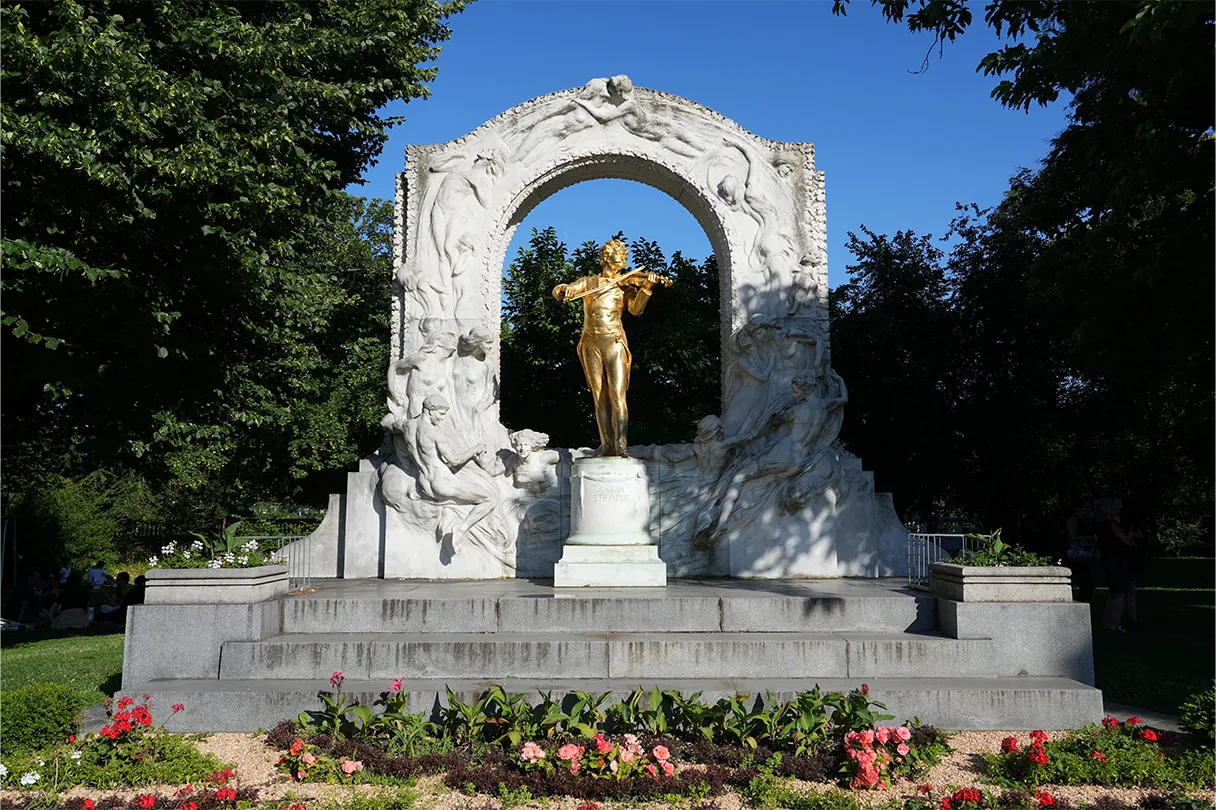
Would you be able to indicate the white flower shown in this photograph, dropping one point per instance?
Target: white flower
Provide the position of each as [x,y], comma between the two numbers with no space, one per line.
[153,560]
[197,544]
[216,564]
[41,764]
[186,555]
[3,770]
[229,558]
[243,559]
[252,545]
[76,755]
[30,778]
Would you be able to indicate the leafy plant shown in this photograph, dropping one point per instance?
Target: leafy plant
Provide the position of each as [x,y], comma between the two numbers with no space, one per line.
[508,720]
[855,711]
[992,551]
[38,716]
[335,719]
[464,722]
[1199,716]
[586,714]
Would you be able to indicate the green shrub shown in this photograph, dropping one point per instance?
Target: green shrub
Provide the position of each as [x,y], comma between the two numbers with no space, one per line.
[1199,715]
[37,716]
[163,759]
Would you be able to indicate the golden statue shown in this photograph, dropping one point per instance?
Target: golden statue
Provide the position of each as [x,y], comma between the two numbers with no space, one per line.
[603,350]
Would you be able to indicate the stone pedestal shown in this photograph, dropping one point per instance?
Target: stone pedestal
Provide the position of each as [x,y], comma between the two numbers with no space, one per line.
[609,543]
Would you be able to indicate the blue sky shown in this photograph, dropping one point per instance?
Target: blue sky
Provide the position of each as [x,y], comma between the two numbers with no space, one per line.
[899,149]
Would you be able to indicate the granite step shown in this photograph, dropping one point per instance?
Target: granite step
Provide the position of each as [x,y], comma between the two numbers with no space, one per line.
[677,608]
[955,703]
[606,655]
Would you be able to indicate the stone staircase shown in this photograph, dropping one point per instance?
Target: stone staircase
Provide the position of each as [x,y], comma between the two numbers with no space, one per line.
[718,637]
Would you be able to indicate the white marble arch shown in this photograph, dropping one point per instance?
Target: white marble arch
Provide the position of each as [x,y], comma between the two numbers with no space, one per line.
[764,491]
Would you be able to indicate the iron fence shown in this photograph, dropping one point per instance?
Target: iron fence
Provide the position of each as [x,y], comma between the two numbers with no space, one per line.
[925,548]
[295,550]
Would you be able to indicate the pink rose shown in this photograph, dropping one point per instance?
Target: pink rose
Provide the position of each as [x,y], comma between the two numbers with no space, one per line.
[570,752]
[661,753]
[309,758]
[668,768]
[574,766]
[602,745]
[301,776]
[532,752]
[350,767]
[867,738]
[628,757]
[902,749]
[902,734]
[882,734]
[613,766]
[651,769]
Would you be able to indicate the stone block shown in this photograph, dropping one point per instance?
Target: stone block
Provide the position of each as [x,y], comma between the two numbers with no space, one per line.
[184,641]
[758,612]
[970,583]
[906,655]
[596,567]
[470,614]
[727,655]
[501,655]
[1031,638]
[298,658]
[603,612]
[218,586]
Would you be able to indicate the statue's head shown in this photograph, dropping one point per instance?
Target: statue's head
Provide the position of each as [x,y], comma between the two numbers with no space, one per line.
[525,442]
[728,190]
[476,339]
[803,384]
[709,429]
[620,86]
[436,408]
[614,255]
[443,342]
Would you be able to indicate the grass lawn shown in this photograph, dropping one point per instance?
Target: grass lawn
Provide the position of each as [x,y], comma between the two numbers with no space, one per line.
[1171,654]
[90,661]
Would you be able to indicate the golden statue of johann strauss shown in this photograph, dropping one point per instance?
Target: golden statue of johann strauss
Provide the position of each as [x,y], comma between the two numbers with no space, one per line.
[603,350]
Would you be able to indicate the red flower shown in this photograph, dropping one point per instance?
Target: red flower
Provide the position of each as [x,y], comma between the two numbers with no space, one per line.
[1132,721]
[926,788]
[177,707]
[1147,734]
[190,806]
[71,738]
[1098,755]
[1045,799]
[89,804]
[1037,755]
[225,794]
[1009,745]
[336,679]
[945,805]
[1039,736]
[124,702]
[147,697]
[865,689]
[147,801]
[588,806]
[1110,722]
[297,748]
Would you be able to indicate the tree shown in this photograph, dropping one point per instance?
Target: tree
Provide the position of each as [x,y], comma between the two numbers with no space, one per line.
[675,379]
[165,168]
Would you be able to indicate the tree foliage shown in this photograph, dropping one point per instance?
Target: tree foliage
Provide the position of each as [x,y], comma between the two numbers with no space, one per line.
[172,173]
[1104,253]
[675,345]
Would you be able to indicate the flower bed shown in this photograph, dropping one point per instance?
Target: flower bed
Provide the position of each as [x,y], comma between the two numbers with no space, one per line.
[642,747]
[1113,753]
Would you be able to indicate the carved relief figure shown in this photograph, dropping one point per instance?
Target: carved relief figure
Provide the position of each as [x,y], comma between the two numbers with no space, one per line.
[795,428]
[804,292]
[474,387]
[767,356]
[603,102]
[412,379]
[603,349]
[771,251]
[464,185]
[442,472]
[535,468]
